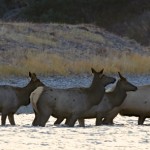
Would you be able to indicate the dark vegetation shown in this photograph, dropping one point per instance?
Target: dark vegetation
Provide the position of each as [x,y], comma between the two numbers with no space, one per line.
[129,18]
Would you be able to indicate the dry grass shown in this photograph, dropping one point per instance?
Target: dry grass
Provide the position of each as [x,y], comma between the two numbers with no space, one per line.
[46,63]
[64,49]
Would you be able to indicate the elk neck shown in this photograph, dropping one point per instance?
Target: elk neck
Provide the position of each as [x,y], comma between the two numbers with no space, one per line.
[117,96]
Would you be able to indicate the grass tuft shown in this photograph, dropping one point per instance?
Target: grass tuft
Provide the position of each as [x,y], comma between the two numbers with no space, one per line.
[46,63]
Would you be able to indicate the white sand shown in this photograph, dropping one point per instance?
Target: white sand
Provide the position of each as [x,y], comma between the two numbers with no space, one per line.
[125,134]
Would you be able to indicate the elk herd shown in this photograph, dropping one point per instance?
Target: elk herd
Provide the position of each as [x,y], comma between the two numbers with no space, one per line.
[77,104]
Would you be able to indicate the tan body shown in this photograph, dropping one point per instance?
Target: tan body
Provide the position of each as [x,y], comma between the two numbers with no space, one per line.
[11,98]
[110,100]
[70,103]
[136,104]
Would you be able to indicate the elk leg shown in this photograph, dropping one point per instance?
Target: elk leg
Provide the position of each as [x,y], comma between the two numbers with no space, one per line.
[107,122]
[43,119]
[36,119]
[81,122]
[71,120]
[58,121]
[141,120]
[108,119]
[44,115]
[67,119]
[98,120]
[3,119]
[11,119]
[44,112]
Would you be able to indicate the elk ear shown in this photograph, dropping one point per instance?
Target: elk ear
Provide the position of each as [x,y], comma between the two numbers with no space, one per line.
[121,77]
[93,70]
[34,78]
[101,71]
[30,74]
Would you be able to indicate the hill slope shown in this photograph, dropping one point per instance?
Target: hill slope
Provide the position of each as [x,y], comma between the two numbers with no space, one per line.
[45,47]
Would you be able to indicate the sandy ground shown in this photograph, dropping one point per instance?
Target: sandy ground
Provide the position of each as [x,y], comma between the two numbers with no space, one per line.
[125,134]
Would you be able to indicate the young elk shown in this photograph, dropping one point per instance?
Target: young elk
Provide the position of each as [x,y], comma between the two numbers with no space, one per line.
[11,98]
[68,103]
[110,100]
[136,104]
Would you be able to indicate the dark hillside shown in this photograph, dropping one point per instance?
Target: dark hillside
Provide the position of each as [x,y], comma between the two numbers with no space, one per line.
[125,17]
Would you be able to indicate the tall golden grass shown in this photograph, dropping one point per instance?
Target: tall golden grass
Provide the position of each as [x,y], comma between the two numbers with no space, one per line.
[46,63]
